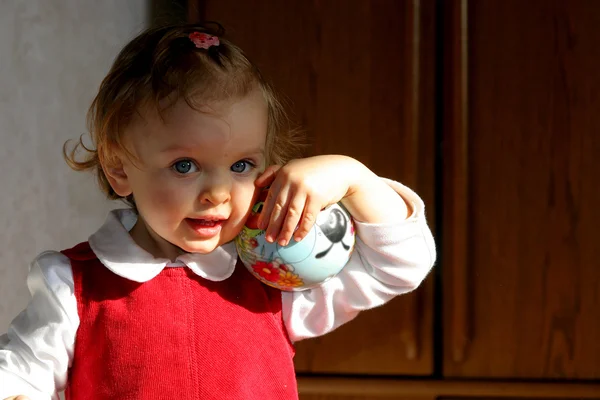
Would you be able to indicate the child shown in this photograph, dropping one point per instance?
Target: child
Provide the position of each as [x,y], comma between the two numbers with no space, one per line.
[155,305]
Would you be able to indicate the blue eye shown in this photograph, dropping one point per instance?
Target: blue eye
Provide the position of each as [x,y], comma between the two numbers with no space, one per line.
[241,166]
[184,167]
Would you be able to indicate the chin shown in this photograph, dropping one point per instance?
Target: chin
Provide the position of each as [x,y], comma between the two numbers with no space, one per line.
[201,247]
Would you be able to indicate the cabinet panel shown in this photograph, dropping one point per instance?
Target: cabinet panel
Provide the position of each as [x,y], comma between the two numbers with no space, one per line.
[373,396]
[359,78]
[521,259]
[447,388]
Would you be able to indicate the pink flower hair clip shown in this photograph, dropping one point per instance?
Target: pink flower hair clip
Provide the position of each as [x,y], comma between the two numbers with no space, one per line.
[203,40]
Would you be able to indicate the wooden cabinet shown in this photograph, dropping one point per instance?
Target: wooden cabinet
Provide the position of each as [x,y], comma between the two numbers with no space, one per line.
[343,65]
[522,144]
[490,109]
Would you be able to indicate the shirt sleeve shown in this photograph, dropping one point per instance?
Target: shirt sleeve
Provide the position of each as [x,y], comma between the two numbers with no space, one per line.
[36,352]
[388,260]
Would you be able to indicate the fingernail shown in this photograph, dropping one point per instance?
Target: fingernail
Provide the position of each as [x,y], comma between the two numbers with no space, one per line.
[269,238]
[283,242]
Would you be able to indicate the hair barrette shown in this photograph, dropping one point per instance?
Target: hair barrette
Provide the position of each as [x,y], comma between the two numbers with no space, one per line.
[203,40]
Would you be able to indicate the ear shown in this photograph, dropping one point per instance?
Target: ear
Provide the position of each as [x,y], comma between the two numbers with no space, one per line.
[117,177]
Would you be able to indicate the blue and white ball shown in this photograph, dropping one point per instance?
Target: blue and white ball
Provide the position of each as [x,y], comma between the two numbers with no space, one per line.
[302,265]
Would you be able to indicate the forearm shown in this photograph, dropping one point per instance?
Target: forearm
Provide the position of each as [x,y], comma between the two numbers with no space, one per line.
[390,259]
[36,351]
[371,200]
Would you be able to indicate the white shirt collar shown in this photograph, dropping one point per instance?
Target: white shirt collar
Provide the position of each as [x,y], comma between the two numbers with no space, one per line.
[116,249]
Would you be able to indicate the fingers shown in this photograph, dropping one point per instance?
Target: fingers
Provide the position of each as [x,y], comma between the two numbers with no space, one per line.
[292,215]
[267,208]
[274,211]
[292,218]
[289,210]
[267,177]
[311,209]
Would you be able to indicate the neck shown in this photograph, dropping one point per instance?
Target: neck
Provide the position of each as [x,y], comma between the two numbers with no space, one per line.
[148,240]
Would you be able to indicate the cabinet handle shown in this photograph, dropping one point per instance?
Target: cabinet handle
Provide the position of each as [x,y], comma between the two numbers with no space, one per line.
[456,183]
[410,331]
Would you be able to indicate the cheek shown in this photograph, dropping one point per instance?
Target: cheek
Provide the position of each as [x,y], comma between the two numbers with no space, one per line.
[165,195]
[244,195]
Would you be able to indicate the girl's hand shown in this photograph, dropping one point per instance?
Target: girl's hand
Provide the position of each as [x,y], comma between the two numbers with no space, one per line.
[302,188]
[17,398]
[298,192]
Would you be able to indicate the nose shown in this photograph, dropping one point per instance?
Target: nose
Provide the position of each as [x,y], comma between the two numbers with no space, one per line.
[216,188]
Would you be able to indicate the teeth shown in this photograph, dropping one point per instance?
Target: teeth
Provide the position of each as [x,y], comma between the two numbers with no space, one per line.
[205,222]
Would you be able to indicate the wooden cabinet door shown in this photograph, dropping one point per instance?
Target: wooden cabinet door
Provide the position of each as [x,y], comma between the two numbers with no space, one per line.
[521,261]
[359,78]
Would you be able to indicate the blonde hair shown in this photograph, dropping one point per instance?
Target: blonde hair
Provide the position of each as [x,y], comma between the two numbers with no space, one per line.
[161,64]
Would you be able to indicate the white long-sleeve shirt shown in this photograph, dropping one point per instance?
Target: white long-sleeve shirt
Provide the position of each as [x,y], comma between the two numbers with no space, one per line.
[35,354]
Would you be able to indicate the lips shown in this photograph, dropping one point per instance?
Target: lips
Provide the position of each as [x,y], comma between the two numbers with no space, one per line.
[206,222]
[206,227]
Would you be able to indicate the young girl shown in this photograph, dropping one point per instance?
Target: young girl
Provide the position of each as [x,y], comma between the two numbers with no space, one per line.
[155,305]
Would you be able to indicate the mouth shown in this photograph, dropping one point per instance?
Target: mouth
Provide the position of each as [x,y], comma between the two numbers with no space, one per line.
[207,226]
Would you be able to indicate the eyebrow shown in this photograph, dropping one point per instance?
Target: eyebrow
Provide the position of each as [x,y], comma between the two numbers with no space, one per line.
[259,151]
[175,148]
[178,148]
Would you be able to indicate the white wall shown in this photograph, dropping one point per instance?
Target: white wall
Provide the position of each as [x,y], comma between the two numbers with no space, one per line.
[53,55]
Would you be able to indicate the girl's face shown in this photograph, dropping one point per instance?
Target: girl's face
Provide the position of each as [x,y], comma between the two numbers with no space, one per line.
[193,182]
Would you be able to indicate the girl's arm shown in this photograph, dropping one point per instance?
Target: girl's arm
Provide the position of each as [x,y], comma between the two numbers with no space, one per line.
[394,248]
[391,258]
[36,351]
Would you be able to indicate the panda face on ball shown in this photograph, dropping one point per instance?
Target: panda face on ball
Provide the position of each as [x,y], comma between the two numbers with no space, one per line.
[334,228]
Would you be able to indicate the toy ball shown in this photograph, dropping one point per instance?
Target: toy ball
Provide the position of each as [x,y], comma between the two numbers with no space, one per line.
[323,252]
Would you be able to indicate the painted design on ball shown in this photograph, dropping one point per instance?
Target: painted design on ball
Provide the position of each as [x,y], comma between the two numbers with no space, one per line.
[335,230]
[324,251]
